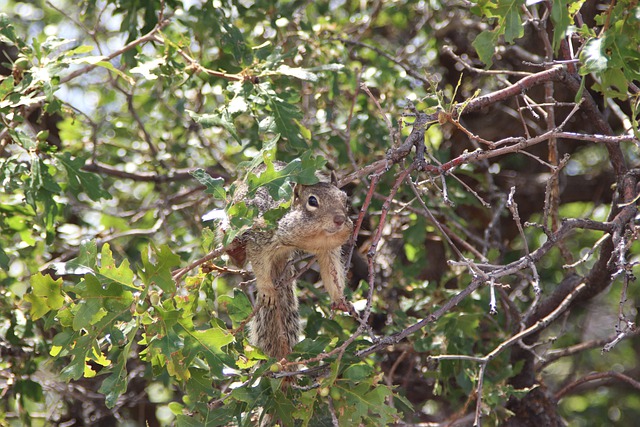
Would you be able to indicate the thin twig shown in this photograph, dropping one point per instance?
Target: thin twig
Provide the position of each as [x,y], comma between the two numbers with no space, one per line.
[597,376]
[539,325]
[177,274]
[513,207]
[150,36]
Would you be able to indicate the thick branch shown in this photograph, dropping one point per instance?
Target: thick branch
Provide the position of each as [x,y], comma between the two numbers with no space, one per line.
[555,73]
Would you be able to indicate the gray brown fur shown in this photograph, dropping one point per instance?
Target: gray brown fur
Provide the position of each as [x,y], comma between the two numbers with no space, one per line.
[320,230]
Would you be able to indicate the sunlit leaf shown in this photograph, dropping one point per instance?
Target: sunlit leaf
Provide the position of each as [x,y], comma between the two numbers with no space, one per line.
[148,68]
[299,73]
[46,295]
[121,275]
[100,61]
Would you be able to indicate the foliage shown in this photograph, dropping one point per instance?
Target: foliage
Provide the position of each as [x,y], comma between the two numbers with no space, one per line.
[491,149]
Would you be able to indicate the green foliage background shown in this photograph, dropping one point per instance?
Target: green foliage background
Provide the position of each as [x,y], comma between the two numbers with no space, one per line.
[124,122]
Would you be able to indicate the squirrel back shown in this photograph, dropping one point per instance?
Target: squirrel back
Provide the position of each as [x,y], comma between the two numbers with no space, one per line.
[317,223]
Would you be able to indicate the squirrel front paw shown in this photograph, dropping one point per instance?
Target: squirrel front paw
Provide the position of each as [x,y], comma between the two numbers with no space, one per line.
[341,305]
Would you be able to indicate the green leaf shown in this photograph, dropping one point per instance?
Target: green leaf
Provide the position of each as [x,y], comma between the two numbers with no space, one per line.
[274,180]
[233,38]
[7,31]
[245,394]
[214,186]
[85,262]
[89,310]
[357,372]
[121,275]
[207,343]
[26,141]
[28,388]
[64,340]
[206,416]
[4,259]
[561,21]
[241,218]
[305,407]
[402,404]
[613,83]
[277,181]
[159,272]
[284,408]
[511,23]
[198,384]
[306,132]
[81,181]
[284,114]
[306,173]
[76,368]
[40,193]
[238,307]
[377,396]
[211,340]
[46,295]
[222,119]
[580,91]
[6,91]
[81,50]
[485,44]
[312,347]
[358,407]
[115,385]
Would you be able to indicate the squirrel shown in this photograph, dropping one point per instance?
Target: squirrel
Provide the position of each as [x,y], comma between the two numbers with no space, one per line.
[317,223]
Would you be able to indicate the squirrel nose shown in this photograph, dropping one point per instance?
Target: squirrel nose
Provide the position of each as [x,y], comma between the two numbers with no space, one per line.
[339,219]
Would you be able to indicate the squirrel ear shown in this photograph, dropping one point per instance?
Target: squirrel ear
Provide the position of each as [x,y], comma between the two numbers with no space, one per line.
[334,178]
[297,188]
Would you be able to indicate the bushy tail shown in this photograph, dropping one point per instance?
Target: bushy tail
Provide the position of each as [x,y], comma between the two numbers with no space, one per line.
[275,326]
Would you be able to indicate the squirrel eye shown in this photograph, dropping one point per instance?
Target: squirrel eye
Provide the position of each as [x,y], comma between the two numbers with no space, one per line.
[313,201]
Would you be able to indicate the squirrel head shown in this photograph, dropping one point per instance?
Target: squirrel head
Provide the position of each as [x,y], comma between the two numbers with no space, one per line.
[318,218]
